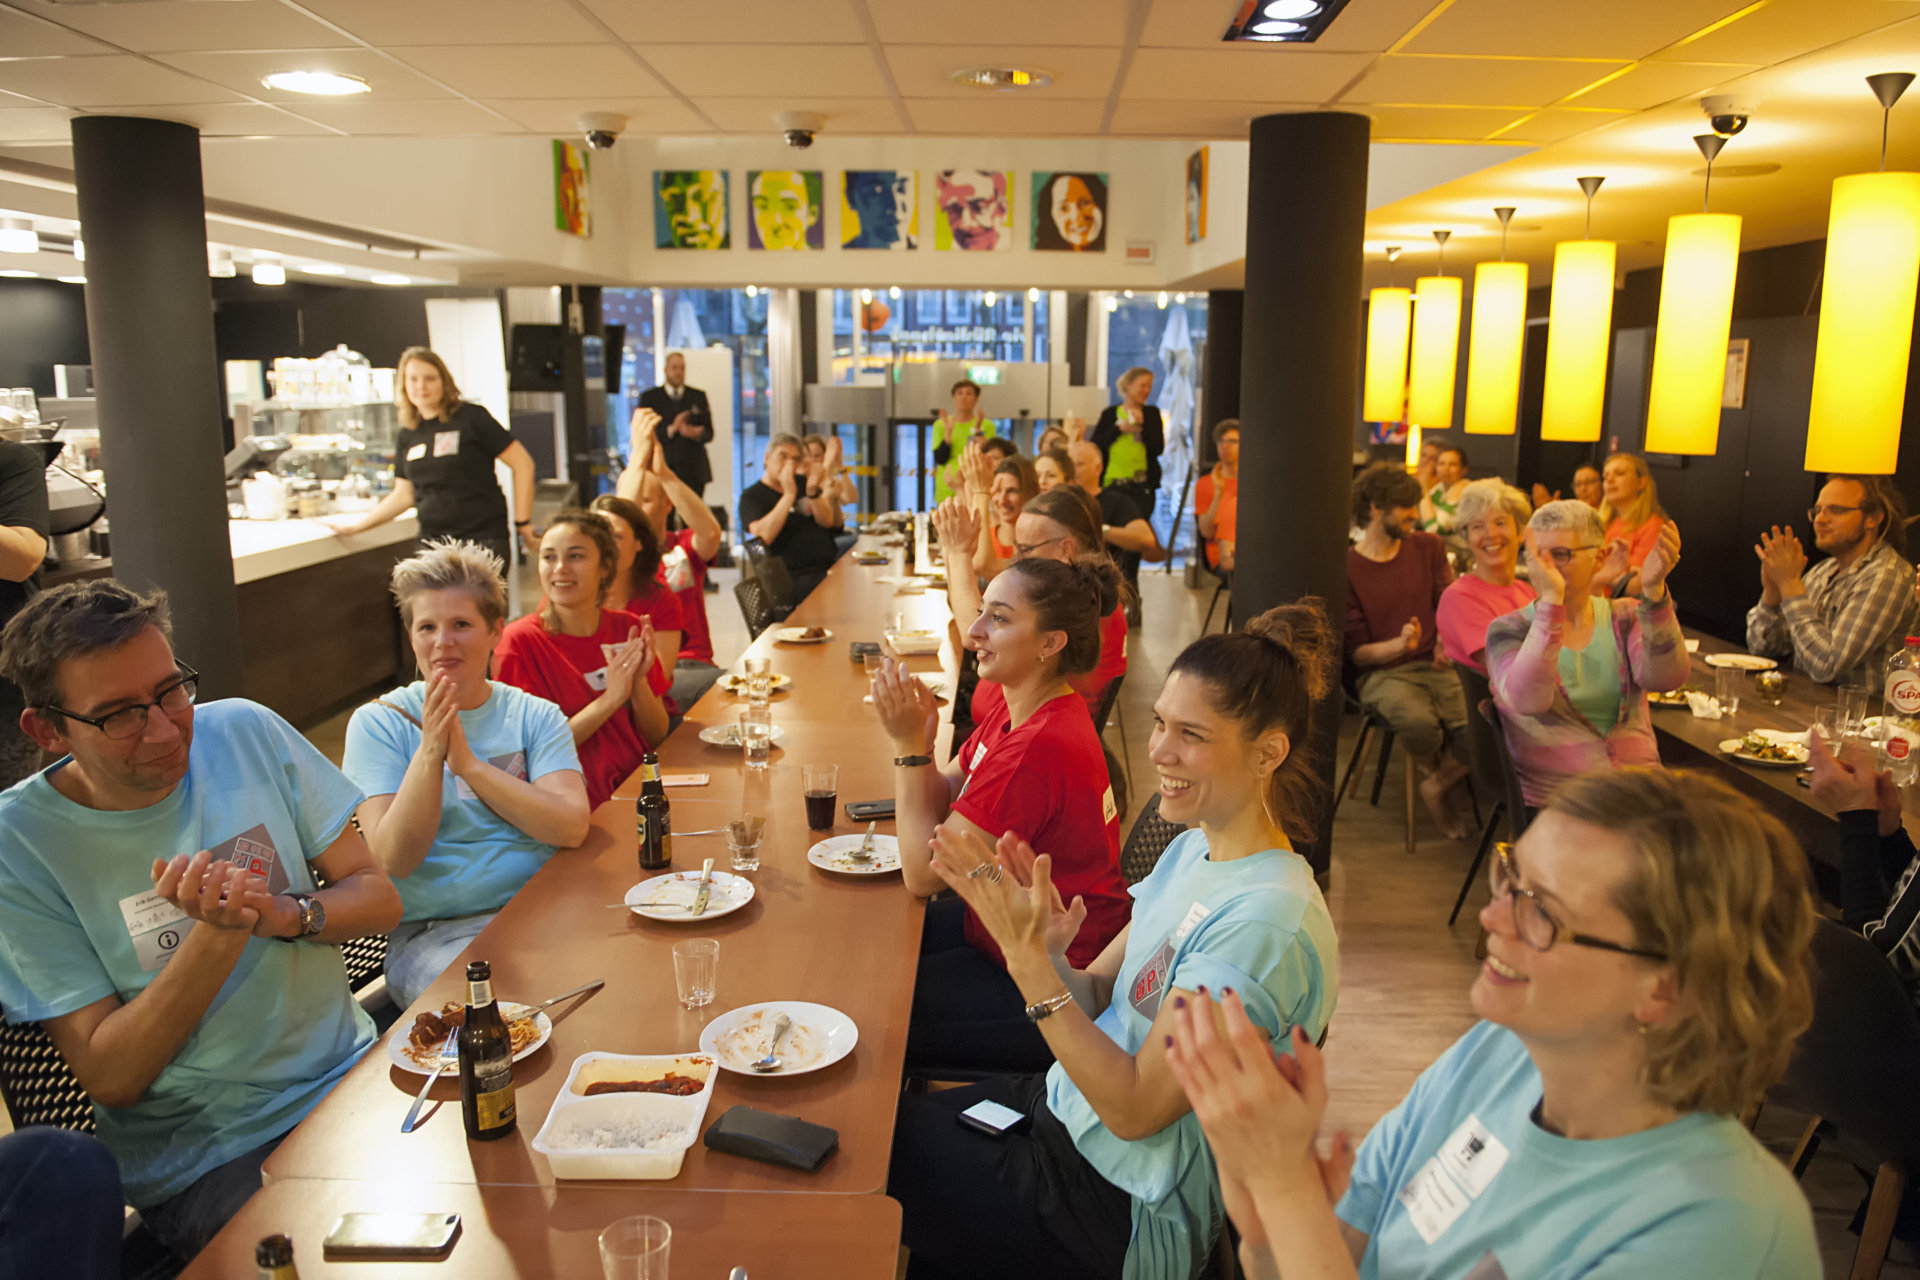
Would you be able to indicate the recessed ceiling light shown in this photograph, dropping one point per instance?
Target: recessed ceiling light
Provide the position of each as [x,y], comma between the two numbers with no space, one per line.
[325,84]
[12,273]
[71,279]
[385,279]
[220,262]
[269,273]
[1294,21]
[18,236]
[1291,8]
[1003,79]
[79,249]
[323,269]
[893,291]
[1276,28]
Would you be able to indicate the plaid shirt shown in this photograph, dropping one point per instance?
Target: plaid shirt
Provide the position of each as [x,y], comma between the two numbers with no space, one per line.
[1848,622]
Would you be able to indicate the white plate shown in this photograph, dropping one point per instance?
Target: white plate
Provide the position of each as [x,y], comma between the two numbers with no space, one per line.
[401,1051]
[1731,749]
[798,635]
[835,853]
[734,682]
[1741,661]
[820,1037]
[664,898]
[914,643]
[728,735]
[935,681]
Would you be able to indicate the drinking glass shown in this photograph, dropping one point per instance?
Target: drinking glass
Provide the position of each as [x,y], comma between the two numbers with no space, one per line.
[635,1249]
[872,662]
[1726,690]
[756,735]
[1771,686]
[759,681]
[1853,709]
[823,793]
[1826,722]
[743,841]
[696,963]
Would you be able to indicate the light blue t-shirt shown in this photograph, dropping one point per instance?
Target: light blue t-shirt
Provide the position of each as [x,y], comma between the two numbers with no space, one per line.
[478,859]
[1591,676]
[79,921]
[1256,924]
[1459,1183]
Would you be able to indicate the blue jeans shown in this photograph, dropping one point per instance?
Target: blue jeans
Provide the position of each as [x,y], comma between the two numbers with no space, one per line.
[60,1206]
[187,1222]
[418,951]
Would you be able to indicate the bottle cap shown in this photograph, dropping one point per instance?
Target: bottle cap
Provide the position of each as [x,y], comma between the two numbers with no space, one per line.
[479,971]
[273,1251]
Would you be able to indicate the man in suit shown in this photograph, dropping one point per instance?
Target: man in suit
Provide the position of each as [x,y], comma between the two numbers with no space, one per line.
[685,426]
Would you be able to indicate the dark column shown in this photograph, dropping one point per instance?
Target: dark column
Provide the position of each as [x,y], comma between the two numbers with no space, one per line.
[1220,397]
[150,324]
[1300,373]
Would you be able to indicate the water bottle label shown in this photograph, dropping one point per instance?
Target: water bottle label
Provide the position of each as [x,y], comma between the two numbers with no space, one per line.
[1898,746]
[1903,692]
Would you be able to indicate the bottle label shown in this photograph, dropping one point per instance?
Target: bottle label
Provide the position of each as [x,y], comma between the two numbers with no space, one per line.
[1898,746]
[495,1109]
[480,994]
[1903,691]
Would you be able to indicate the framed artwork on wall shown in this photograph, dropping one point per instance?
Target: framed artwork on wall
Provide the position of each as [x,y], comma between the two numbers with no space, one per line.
[783,209]
[879,209]
[572,190]
[1197,196]
[1070,212]
[973,209]
[690,209]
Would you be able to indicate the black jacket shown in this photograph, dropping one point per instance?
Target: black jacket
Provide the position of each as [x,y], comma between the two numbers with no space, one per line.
[1152,435]
[685,458]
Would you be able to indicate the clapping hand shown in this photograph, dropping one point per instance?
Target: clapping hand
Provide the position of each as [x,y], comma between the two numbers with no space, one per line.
[1661,560]
[628,662]
[1017,858]
[1548,582]
[1020,917]
[439,717]
[1410,636]
[1541,495]
[977,467]
[1615,567]
[1849,781]
[786,476]
[909,712]
[219,894]
[1782,560]
[958,528]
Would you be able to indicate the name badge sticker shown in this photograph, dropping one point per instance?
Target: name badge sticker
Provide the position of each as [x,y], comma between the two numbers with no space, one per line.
[1432,1201]
[597,680]
[1195,914]
[1473,1156]
[1109,811]
[416,453]
[156,926]
[446,443]
[981,754]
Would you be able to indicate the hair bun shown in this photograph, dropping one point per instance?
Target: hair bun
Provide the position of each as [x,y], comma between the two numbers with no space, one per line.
[1301,631]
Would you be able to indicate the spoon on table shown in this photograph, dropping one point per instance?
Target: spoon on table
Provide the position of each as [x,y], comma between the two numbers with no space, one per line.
[773,1062]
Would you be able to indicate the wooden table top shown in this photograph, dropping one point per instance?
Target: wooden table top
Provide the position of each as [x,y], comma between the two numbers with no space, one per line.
[508,1232]
[807,935]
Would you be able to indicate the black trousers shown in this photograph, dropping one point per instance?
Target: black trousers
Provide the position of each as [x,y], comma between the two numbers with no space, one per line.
[1007,1208]
[968,1015]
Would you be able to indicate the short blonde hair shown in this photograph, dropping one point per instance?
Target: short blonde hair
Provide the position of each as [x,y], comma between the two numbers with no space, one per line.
[1131,376]
[446,564]
[1484,497]
[449,390]
[1720,888]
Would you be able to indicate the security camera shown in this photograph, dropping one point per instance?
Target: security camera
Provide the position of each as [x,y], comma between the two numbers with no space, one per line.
[798,128]
[1726,115]
[602,128]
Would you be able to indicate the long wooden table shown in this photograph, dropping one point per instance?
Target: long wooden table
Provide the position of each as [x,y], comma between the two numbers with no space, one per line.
[808,934]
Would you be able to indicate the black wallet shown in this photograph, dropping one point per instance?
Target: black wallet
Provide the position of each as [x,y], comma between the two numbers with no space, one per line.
[782,1140]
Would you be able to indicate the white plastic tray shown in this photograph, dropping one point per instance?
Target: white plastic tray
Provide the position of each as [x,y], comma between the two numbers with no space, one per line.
[572,1104]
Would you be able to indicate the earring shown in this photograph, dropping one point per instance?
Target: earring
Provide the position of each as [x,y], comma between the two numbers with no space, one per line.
[1644,1027]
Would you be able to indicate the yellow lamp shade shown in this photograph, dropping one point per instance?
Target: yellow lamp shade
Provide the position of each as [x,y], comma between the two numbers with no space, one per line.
[1690,345]
[1493,351]
[1389,320]
[1436,351]
[1413,445]
[1866,324]
[1579,327]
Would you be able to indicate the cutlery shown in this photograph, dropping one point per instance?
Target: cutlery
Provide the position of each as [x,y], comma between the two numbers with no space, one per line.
[449,1054]
[865,851]
[582,989]
[772,1062]
[706,888]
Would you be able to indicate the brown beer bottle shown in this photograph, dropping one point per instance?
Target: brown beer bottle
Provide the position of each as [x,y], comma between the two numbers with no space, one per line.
[274,1256]
[486,1061]
[654,817]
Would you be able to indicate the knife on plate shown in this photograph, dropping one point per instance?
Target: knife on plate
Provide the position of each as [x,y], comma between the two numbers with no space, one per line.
[706,888]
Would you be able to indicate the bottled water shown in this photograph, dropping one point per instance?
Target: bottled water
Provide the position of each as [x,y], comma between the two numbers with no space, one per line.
[1900,714]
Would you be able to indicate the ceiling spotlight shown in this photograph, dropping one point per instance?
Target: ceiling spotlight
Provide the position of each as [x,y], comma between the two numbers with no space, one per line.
[1295,21]
[1113,303]
[894,293]
[1033,295]
[71,279]
[79,249]
[269,273]
[388,279]
[220,262]
[1126,293]
[989,297]
[753,291]
[323,269]
[1291,8]
[1003,79]
[1276,28]
[18,236]
[321,84]
[1163,300]
[866,296]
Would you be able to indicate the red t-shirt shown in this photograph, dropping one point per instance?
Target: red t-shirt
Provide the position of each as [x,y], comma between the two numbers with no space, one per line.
[990,701]
[696,641]
[570,671]
[662,606]
[1047,782]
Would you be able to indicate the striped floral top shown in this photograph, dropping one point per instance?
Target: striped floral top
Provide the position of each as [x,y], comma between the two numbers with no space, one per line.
[1548,737]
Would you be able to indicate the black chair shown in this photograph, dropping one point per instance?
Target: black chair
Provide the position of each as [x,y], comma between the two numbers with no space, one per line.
[1149,839]
[1374,726]
[1857,1069]
[1493,771]
[35,1082]
[770,571]
[366,959]
[1223,585]
[753,606]
[1109,706]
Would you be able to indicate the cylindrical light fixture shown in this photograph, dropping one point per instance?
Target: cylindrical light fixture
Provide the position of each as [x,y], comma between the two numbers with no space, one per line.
[1436,345]
[1866,314]
[1389,322]
[1413,446]
[269,273]
[18,236]
[1579,329]
[1690,344]
[1497,340]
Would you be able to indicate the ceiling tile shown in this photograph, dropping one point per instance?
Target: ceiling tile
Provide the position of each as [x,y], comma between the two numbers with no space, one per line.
[1070,22]
[440,22]
[34,124]
[1652,83]
[560,116]
[1552,125]
[1784,30]
[1006,117]
[367,116]
[242,72]
[757,70]
[1474,82]
[650,22]
[24,36]
[1365,26]
[536,71]
[855,116]
[1159,118]
[233,119]
[926,70]
[116,80]
[1440,122]
[1623,29]
[1251,73]
[168,26]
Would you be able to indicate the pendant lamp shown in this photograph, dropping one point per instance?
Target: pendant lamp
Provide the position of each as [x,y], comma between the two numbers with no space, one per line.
[1866,311]
[1579,329]
[1498,336]
[1389,321]
[1696,312]
[1436,345]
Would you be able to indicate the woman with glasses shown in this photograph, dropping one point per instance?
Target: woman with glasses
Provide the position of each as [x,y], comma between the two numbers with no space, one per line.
[1571,671]
[1645,980]
[1489,515]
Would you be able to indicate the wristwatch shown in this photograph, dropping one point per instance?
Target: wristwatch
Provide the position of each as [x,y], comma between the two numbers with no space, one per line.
[313,915]
[911,762]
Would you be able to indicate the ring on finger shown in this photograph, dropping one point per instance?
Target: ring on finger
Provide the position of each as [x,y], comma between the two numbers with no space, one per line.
[981,870]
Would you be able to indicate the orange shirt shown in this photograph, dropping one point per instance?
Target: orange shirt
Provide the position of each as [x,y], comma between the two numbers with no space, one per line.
[1639,541]
[1225,524]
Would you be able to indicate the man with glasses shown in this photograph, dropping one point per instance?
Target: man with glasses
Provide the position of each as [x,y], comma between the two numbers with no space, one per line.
[160,908]
[776,510]
[1841,619]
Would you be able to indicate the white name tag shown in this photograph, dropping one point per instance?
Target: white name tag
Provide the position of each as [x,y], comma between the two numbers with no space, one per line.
[980,754]
[416,453]
[1195,914]
[1466,1166]
[1109,811]
[157,927]
[597,680]
[1433,1202]
[1472,1155]
[446,443]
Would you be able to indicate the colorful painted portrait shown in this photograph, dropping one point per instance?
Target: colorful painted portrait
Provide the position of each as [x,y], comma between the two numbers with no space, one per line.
[1197,196]
[572,190]
[879,209]
[690,209]
[784,209]
[975,209]
[1070,212]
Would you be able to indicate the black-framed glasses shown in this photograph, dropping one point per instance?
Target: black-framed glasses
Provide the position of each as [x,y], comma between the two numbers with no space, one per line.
[1535,924]
[1024,549]
[1814,513]
[131,722]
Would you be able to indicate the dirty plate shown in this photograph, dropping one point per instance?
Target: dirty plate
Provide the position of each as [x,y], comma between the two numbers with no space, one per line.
[820,1037]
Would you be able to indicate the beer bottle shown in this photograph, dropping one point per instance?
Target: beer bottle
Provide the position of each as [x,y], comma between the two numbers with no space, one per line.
[274,1256]
[654,817]
[486,1061]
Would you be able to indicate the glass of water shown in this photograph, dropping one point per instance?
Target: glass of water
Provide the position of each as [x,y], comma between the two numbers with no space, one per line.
[756,735]
[1726,690]
[696,966]
[1853,709]
[1826,722]
[759,680]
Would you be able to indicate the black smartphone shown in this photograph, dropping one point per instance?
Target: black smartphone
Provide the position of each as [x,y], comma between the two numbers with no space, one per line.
[392,1235]
[860,649]
[869,810]
[993,1119]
